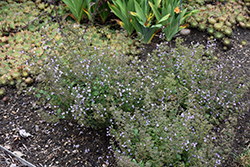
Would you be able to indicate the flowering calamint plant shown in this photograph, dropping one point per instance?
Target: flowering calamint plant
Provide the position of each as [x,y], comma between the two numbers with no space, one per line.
[177,16]
[142,20]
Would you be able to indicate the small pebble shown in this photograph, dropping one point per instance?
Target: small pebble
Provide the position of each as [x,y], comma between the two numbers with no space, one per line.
[5,99]
[37,128]
[185,31]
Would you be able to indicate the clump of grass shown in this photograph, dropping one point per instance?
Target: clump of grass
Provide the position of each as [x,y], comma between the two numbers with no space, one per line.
[159,112]
[245,158]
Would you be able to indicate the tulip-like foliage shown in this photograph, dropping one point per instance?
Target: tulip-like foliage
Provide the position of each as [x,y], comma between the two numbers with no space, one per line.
[75,6]
[88,7]
[137,15]
[140,15]
[121,9]
[142,20]
[177,16]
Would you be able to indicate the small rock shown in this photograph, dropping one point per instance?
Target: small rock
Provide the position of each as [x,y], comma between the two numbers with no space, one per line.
[13,165]
[18,153]
[185,31]
[5,99]
[23,133]
[37,128]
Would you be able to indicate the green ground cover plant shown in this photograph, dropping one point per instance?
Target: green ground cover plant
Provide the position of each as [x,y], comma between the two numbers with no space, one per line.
[163,103]
[187,96]
[219,20]
[97,42]
[21,42]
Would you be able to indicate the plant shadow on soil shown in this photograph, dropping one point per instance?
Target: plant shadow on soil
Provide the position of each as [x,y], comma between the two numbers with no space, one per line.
[68,144]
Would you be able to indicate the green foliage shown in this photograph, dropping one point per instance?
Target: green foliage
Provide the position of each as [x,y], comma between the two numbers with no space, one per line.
[190,96]
[153,138]
[156,109]
[104,11]
[79,7]
[17,52]
[21,50]
[18,16]
[160,112]
[75,7]
[88,7]
[142,20]
[220,17]
[142,14]
[244,158]
[171,25]
[121,9]
[13,17]
[101,49]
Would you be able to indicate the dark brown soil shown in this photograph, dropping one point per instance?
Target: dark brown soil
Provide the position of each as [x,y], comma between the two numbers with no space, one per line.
[68,144]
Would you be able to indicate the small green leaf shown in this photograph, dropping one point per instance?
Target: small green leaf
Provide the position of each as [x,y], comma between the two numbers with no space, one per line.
[38,96]
[32,28]
[178,156]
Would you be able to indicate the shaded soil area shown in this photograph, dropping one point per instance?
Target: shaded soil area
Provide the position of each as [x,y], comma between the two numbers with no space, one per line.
[61,144]
[68,144]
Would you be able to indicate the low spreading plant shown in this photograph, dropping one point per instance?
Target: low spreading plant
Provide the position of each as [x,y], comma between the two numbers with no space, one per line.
[214,86]
[164,105]
[72,85]
[176,129]
[150,138]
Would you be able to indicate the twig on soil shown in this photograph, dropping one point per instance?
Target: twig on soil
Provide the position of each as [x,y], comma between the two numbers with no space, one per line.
[10,158]
[6,159]
[24,162]
[57,18]
[25,147]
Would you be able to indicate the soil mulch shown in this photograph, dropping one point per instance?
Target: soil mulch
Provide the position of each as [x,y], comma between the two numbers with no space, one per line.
[68,144]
